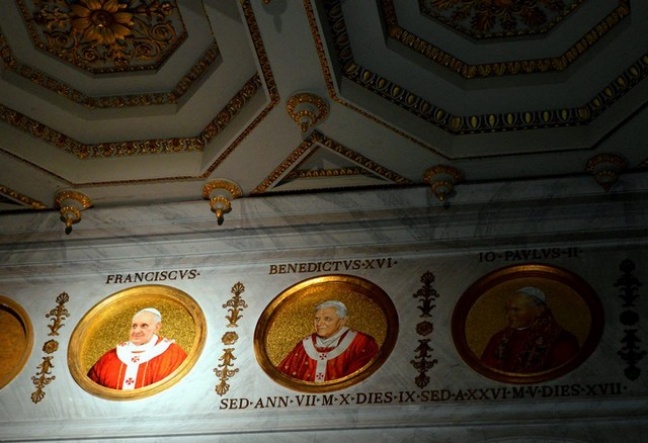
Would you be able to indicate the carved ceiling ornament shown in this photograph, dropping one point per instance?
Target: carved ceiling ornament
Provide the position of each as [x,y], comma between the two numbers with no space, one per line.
[106,36]
[499,18]
[220,193]
[442,179]
[606,168]
[70,204]
[307,110]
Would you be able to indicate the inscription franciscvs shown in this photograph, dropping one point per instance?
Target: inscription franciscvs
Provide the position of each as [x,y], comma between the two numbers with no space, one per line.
[152,276]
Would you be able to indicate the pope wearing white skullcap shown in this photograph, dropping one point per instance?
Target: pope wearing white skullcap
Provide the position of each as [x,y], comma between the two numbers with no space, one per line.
[143,360]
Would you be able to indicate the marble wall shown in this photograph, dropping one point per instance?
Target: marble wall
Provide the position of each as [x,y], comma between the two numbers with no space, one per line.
[437,265]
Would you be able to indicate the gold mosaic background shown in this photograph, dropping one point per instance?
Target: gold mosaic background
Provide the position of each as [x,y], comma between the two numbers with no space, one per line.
[113,327]
[293,320]
[487,315]
[13,344]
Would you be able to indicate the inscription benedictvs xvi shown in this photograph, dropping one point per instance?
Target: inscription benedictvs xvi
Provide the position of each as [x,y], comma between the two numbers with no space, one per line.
[332,266]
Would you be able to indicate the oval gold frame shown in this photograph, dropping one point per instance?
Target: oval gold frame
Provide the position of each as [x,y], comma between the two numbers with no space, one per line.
[305,295]
[20,314]
[552,276]
[123,304]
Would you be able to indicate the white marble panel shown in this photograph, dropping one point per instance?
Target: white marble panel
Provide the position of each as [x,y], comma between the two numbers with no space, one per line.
[594,402]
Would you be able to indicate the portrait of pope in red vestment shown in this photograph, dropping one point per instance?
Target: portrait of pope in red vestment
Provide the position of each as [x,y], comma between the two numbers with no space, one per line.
[143,360]
[331,352]
[532,341]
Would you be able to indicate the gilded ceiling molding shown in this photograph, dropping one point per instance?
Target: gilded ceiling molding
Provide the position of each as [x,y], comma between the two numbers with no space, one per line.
[323,173]
[224,117]
[134,147]
[109,149]
[267,78]
[105,37]
[292,159]
[362,160]
[313,23]
[235,105]
[118,101]
[474,124]
[305,150]
[24,200]
[259,49]
[494,69]
[482,19]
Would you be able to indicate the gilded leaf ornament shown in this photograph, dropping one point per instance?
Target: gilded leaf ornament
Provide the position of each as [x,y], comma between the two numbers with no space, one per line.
[43,376]
[423,360]
[236,305]
[58,314]
[226,370]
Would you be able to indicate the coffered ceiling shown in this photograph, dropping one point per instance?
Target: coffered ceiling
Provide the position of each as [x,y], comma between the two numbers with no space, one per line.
[135,101]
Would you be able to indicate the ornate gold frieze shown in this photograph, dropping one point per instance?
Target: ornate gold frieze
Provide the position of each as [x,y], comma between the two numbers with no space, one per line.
[22,199]
[106,36]
[494,69]
[319,173]
[483,19]
[472,124]
[305,149]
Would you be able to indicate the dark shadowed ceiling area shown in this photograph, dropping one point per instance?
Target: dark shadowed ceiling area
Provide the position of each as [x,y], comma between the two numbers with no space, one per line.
[134,102]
